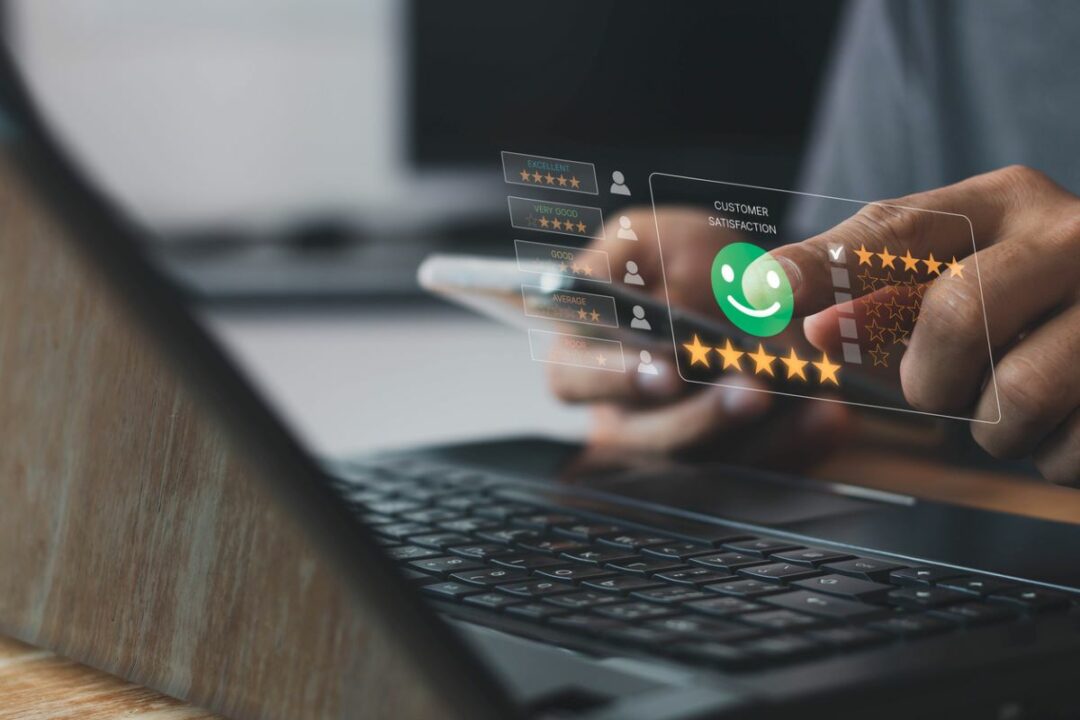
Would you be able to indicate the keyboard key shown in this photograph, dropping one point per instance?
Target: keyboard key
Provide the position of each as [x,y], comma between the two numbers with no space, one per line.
[729,561]
[760,547]
[393,507]
[411,552]
[441,540]
[746,588]
[923,575]
[504,510]
[812,557]
[633,541]
[924,598]
[575,573]
[723,606]
[536,588]
[848,587]
[622,584]
[582,600]
[510,536]
[911,625]
[462,503]
[678,550]
[713,653]
[467,525]
[671,595]
[978,585]
[693,576]
[554,546]
[416,577]
[529,561]
[489,576]
[431,515]
[448,590]
[864,568]
[848,637]
[481,551]
[402,530]
[640,635]
[824,606]
[542,521]
[975,613]
[645,566]
[588,531]
[703,628]
[779,620]
[1032,600]
[445,565]
[781,647]
[596,555]
[778,572]
[536,611]
[589,624]
[634,611]
[377,519]
[492,601]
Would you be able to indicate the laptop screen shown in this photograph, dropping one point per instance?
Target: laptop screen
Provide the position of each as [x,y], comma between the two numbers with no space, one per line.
[750,234]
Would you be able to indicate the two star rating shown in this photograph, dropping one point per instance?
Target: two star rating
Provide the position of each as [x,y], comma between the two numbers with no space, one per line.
[731,358]
[561,180]
[584,315]
[911,263]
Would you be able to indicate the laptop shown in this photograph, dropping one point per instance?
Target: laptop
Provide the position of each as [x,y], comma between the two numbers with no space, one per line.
[537,578]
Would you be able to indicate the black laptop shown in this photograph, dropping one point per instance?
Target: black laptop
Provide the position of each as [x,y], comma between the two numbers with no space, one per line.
[586,582]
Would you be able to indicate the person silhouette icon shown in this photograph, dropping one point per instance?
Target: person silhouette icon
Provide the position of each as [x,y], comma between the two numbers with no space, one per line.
[618,184]
[632,277]
[626,230]
[645,367]
[639,322]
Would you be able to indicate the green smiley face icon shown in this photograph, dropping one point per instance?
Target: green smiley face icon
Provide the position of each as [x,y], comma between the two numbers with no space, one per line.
[752,289]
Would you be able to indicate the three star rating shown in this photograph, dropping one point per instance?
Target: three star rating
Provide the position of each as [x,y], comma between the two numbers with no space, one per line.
[793,366]
[910,263]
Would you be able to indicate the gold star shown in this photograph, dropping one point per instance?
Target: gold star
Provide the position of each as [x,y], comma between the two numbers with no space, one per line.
[730,355]
[877,332]
[562,180]
[537,176]
[587,270]
[580,227]
[557,224]
[574,182]
[698,353]
[864,255]
[601,360]
[956,269]
[886,257]
[550,178]
[595,316]
[932,265]
[827,370]
[910,263]
[543,222]
[795,365]
[881,358]
[562,267]
[524,175]
[762,360]
[575,268]
[582,314]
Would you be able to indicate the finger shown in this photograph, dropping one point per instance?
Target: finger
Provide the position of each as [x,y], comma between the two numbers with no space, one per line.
[586,385]
[688,423]
[885,316]
[1058,458]
[949,353]
[1037,387]
[896,226]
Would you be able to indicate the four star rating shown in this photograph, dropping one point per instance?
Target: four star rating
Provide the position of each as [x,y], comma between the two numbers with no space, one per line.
[761,362]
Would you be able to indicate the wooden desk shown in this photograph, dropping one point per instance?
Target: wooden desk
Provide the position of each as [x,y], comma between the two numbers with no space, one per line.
[40,685]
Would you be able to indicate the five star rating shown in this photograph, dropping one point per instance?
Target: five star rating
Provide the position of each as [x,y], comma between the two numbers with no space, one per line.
[759,362]
[909,263]
[560,180]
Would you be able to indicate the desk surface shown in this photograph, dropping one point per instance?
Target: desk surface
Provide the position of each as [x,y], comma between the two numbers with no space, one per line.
[40,685]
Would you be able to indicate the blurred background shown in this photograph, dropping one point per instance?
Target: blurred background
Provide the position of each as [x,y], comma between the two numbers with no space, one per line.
[296,160]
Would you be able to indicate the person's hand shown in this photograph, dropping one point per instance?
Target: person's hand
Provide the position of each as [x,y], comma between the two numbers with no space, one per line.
[662,413]
[1027,232]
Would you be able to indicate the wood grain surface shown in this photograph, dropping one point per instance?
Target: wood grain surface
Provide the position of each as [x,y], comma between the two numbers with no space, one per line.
[40,685]
[134,540]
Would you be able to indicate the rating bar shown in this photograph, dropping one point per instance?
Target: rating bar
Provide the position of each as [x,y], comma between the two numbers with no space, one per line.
[554,173]
[577,351]
[562,218]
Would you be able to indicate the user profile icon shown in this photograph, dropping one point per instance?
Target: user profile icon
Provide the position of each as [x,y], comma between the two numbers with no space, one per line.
[618,184]
[626,229]
[632,276]
[640,322]
[646,367]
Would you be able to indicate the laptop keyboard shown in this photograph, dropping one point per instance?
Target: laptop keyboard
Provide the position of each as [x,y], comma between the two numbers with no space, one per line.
[731,599]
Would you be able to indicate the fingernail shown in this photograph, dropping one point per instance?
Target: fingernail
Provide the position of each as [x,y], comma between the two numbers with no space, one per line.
[794,274]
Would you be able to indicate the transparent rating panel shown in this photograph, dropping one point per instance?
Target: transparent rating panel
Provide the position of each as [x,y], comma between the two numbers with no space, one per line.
[813,297]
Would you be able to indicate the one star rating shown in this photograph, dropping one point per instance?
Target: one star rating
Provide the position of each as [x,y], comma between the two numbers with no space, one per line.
[550,179]
[762,362]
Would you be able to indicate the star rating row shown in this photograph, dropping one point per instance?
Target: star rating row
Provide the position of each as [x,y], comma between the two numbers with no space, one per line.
[764,363]
[891,285]
[911,263]
[576,269]
[560,180]
[545,223]
[586,316]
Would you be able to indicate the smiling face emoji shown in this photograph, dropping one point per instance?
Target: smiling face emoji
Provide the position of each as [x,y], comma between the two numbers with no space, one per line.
[751,289]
